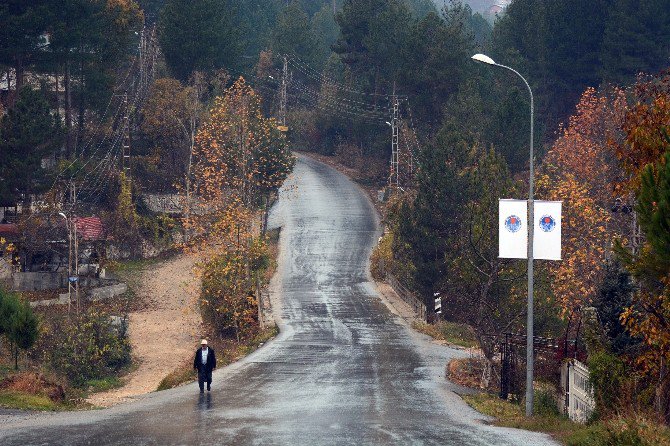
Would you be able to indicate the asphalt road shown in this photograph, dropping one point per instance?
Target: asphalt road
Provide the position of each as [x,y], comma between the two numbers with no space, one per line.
[343,371]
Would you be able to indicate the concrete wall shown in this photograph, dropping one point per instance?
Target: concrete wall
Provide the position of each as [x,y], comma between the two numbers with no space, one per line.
[101,293]
[38,281]
[107,292]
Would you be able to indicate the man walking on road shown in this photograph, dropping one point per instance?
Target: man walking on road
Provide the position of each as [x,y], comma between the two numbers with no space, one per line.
[204,363]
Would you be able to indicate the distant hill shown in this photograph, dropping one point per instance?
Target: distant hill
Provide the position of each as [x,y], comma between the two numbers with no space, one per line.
[476,5]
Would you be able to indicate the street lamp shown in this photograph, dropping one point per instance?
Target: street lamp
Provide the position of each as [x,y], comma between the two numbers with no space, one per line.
[531,227]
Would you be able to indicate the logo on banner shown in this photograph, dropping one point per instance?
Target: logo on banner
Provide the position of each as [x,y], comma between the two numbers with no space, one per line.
[547,223]
[513,223]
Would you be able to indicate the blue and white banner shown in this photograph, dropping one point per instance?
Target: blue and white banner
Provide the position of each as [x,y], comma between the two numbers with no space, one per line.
[513,229]
[547,236]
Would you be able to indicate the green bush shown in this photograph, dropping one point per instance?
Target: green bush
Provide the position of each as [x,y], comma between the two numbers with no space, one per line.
[608,375]
[544,403]
[9,304]
[85,347]
[607,435]
[18,323]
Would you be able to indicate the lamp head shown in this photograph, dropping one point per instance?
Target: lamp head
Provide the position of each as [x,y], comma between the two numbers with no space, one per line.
[62,215]
[483,59]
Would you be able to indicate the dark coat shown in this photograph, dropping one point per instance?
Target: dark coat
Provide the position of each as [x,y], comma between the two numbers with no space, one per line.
[211,361]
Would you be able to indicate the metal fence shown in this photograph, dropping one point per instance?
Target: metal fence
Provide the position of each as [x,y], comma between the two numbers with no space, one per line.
[410,298]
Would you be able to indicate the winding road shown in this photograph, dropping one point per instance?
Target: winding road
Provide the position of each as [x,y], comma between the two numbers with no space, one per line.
[343,371]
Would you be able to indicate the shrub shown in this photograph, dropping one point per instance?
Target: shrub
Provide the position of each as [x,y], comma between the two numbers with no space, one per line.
[85,347]
[607,376]
[228,290]
[18,323]
[23,330]
[9,304]
[381,257]
[544,403]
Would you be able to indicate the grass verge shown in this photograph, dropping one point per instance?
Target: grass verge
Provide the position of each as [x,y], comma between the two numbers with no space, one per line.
[630,431]
[451,332]
[228,351]
[11,399]
[104,384]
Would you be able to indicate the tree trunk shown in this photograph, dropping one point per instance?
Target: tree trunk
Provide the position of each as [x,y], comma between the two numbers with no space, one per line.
[82,109]
[19,73]
[56,77]
[68,111]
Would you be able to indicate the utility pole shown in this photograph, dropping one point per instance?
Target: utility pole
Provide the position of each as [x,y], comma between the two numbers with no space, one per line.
[394,178]
[283,94]
[76,262]
[259,301]
[72,258]
[125,161]
[69,265]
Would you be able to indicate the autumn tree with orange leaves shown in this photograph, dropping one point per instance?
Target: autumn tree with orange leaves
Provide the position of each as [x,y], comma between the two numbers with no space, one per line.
[240,159]
[645,154]
[582,170]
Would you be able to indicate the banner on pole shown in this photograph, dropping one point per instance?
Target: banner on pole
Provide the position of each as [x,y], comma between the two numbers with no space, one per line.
[513,229]
[547,238]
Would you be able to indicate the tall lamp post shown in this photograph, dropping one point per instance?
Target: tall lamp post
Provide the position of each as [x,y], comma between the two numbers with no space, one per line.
[531,228]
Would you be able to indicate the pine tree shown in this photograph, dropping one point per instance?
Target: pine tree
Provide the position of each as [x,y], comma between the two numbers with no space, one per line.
[23,329]
[633,40]
[28,132]
[202,35]
[293,34]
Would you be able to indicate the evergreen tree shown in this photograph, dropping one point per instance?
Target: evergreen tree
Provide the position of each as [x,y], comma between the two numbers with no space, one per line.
[615,294]
[29,133]
[23,329]
[421,8]
[372,36]
[293,34]
[559,44]
[9,304]
[325,28]
[202,35]
[22,25]
[633,40]
[436,61]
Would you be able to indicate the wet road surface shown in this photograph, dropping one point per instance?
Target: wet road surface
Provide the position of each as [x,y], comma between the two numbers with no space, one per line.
[343,371]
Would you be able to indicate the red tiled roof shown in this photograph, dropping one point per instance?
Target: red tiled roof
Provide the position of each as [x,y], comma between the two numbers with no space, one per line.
[89,228]
[9,229]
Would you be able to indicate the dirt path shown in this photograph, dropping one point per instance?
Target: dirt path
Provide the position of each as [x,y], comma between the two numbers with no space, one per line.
[165,333]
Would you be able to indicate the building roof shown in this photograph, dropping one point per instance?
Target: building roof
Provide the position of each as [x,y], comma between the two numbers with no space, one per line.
[90,228]
[8,229]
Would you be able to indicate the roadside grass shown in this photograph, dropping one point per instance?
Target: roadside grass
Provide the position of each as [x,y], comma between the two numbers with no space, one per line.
[628,431]
[228,351]
[10,399]
[103,384]
[451,332]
